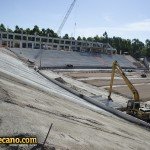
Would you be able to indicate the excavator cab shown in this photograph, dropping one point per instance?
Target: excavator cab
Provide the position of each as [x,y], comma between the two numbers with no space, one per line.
[132,106]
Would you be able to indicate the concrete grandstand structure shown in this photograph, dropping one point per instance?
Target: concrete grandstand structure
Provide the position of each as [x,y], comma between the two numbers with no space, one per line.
[15,40]
[82,60]
[48,52]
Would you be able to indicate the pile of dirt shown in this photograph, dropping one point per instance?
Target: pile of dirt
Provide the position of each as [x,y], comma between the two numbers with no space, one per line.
[4,95]
[61,80]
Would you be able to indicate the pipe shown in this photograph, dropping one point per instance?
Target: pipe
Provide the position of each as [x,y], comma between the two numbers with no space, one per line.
[100,105]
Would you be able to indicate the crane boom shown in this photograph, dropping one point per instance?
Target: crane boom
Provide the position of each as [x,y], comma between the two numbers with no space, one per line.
[66,17]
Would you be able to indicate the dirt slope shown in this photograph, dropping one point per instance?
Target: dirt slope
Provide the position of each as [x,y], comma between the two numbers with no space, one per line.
[29,110]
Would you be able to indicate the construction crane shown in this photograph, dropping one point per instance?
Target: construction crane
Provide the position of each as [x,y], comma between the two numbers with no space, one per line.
[133,106]
[66,17]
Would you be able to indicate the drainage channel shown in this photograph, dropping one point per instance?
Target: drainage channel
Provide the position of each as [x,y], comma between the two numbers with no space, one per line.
[98,104]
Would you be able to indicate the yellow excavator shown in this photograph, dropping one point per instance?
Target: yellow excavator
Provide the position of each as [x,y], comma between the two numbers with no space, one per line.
[133,106]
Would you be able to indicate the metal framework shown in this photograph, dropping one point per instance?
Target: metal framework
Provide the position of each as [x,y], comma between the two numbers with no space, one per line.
[66,17]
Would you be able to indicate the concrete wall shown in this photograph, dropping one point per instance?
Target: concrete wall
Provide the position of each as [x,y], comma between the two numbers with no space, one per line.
[0,43]
[14,40]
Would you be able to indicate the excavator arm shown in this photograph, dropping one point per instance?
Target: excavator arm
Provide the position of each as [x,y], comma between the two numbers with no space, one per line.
[117,67]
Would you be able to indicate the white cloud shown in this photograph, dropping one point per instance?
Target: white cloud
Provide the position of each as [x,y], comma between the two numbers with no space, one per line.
[107,18]
[135,28]
[139,26]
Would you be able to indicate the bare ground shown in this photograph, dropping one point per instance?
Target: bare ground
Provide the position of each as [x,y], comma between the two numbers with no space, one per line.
[27,110]
[78,75]
[106,82]
[90,73]
[144,91]
[103,81]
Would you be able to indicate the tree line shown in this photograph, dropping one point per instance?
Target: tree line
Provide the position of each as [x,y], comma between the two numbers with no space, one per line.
[134,47]
[36,30]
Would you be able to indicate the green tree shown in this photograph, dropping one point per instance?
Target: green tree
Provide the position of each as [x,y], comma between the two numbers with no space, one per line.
[17,29]
[79,38]
[137,47]
[147,48]
[90,39]
[84,38]
[105,35]
[28,31]
[9,30]
[147,43]
[43,32]
[66,36]
[97,38]
[2,28]
[51,33]
[72,38]
[36,30]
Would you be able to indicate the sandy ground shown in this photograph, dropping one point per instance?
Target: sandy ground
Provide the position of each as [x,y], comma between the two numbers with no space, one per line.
[102,80]
[144,91]
[25,110]
[29,110]
[90,73]
[78,75]
[106,82]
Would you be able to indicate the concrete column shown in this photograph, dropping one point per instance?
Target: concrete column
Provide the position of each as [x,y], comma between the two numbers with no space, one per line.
[0,42]
[27,38]
[7,43]
[32,45]
[26,44]
[35,39]
[40,43]
[70,45]
[7,40]
[59,44]
[20,44]
[11,43]
[69,48]
[52,43]
[21,35]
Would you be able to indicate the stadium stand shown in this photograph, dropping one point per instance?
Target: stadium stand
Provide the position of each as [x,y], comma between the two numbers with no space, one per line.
[134,61]
[54,58]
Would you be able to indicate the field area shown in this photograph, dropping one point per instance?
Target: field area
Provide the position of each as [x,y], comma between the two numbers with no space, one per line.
[102,80]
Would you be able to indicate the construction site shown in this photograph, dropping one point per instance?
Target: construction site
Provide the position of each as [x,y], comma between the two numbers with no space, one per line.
[72,95]
[70,89]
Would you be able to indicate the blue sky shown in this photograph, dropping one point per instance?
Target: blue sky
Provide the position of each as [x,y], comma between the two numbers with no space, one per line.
[124,18]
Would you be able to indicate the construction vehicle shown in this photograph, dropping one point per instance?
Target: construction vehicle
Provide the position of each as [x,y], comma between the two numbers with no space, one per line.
[143,75]
[133,106]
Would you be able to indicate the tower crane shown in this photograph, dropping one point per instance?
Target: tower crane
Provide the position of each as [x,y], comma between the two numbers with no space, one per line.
[66,17]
